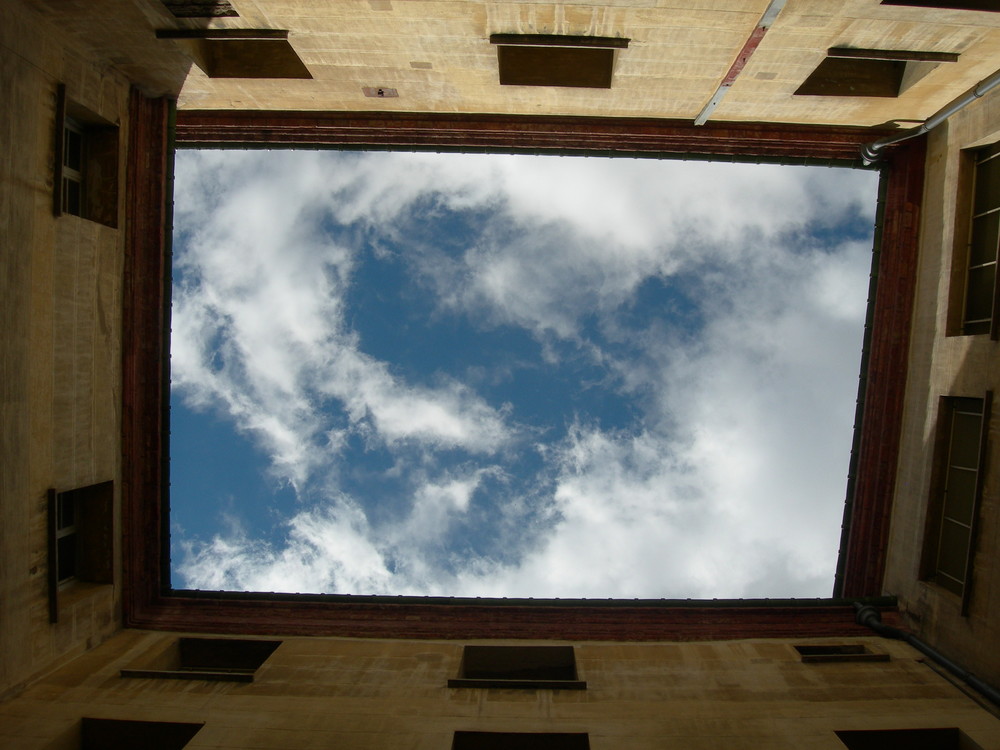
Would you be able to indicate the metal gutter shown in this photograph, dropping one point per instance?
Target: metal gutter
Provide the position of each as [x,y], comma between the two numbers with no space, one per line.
[749,47]
[869,616]
[875,601]
[872,152]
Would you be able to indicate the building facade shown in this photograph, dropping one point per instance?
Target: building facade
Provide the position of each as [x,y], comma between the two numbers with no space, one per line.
[97,95]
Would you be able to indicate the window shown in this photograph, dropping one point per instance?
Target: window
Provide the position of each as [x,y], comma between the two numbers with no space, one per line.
[66,563]
[86,163]
[952,512]
[980,308]
[911,739]
[870,72]
[987,5]
[218,659]
[201,8]
[838,653]
[81,546]
[549,60]
[120,734]
[240,53]
[520,741]
[523,667]
[72,166]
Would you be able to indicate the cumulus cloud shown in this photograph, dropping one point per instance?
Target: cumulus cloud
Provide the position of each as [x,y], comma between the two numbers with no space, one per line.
[258,320]
[724,478]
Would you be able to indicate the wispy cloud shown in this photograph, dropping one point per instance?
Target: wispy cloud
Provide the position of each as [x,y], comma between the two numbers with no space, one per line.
[726,481]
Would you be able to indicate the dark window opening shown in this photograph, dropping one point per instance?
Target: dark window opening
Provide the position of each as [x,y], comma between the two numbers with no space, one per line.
[65,536]
[520,741]
[121,734]
[953,509]
[838,653]
[72,167]
[984,5]
[81,544]
[911,739]
[218,659]
[980,308]
[870,72]
[520,667]
[240,53]
[201,8]
[549,60]
[86,163]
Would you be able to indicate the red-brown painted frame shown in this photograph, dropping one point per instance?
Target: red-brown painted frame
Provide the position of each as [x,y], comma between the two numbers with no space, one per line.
[148,601]
[866,523]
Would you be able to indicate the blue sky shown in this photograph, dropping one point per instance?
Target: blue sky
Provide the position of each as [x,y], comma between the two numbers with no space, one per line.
[489,375]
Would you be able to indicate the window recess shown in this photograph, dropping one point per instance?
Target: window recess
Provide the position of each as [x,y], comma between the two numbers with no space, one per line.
[518,667]
[240,53]
[847,71]
[958,485]
[80,539]
[981,298]
[520,741]
[949,738]
[552,60]
[85,180]
[836,652]
[984,5]
[121,734]
[201,8]
[217,659]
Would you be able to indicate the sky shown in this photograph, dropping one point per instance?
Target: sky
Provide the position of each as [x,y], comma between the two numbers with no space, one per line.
[510,375]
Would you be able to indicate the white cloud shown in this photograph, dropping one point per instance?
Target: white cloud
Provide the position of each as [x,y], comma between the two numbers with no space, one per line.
[326,550]
[258,320]
[730,485]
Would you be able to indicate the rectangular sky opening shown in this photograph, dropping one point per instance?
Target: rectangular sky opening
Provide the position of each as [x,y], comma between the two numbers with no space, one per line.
[510,375]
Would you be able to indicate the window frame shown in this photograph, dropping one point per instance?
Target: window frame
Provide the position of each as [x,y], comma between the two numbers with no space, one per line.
[64,530]
[93,535]
[938,507]
[70,175]
[989,325]
[97,176]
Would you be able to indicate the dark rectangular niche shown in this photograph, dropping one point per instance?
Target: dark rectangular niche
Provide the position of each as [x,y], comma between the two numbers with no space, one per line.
[838,653]
[520,741]
[201,8]
[218,659]
[987,6]
[519,667]
[240,53]
[950,738]
[550,60]
[122,734]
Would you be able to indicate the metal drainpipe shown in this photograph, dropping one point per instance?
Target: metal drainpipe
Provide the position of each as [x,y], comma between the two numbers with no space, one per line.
[872,152]
[870,617]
